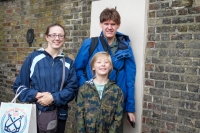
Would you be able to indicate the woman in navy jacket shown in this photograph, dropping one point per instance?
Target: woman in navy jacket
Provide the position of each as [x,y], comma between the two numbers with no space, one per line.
[41,74]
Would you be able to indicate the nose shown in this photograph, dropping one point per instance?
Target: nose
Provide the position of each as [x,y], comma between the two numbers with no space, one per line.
[103,63]
[57,37]
[110,26]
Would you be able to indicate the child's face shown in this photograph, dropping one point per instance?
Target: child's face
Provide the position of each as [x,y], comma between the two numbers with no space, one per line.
[102,66]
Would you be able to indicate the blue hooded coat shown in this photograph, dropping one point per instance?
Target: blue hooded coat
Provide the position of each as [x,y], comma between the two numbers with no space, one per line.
[124,71]
[42,73]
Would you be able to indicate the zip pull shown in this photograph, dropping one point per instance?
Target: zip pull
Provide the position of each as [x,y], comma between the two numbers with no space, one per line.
[53,63]
[39,112]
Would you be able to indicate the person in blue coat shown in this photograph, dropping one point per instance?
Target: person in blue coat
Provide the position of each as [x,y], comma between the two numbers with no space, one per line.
[124,67]
[41,73]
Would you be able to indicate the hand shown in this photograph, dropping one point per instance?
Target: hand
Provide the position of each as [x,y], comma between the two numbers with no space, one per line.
[38,95]
[45,98]
[132,123]
[132,116]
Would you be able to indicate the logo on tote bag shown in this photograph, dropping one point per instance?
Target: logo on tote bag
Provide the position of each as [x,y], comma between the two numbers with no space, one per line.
[14,121]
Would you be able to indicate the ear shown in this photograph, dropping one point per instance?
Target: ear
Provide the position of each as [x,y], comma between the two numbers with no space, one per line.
[110,69]
[101,24]
[46,37]
[118,26]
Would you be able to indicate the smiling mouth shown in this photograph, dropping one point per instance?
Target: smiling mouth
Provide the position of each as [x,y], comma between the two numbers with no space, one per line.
[103,69]
[57,43]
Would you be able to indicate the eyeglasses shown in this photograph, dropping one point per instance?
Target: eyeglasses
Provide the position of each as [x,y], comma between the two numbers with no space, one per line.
[54,36]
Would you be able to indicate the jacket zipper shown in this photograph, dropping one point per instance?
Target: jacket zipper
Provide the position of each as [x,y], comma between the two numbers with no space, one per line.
[100,101]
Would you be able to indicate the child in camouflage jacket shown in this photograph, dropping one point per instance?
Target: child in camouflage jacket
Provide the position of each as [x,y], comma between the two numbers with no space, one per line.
[99,101]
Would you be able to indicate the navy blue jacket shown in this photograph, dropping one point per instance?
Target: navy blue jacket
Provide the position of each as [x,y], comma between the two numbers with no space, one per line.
[124,71]
[41,73]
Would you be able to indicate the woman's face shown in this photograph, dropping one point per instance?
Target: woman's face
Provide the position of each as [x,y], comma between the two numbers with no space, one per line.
[55,38]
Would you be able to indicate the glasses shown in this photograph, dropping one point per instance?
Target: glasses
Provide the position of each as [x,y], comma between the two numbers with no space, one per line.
[54,36]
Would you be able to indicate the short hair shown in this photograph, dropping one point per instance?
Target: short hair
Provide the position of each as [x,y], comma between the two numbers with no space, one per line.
[110,14]
[96,56]
[52,25]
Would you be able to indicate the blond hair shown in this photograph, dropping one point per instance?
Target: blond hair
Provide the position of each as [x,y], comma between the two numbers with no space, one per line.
[96,56]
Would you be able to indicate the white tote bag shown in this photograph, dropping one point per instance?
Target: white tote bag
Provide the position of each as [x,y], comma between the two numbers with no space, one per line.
[17,118]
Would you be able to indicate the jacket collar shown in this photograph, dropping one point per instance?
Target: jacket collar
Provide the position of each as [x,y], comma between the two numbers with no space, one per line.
[43,51]
[119,36]
[91,82]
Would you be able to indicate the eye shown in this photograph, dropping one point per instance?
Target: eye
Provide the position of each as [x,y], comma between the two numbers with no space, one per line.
[61,36]
[106,61]
[54,35]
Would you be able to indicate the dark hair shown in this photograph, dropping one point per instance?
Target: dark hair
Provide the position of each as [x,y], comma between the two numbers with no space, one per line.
[110,14]
[47,30]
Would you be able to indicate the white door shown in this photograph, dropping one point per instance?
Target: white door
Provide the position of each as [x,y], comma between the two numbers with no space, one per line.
[133,24]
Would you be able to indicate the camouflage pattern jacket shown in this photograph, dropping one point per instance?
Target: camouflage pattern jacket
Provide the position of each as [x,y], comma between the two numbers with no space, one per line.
[95,115]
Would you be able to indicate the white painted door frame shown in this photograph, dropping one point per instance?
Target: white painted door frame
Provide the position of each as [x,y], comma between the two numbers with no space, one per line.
[134,24]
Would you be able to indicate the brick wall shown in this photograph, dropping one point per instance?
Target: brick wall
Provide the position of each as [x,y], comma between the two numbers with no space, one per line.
[17,16]
[172,77]
[172,81]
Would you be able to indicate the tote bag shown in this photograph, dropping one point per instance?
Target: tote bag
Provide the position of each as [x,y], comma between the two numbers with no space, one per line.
[17,117]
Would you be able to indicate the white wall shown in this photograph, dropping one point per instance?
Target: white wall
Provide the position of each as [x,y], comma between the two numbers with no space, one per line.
[133,23]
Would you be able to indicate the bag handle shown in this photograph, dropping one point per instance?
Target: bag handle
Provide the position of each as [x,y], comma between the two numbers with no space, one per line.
[18,93]
[63,74]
